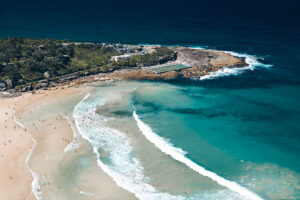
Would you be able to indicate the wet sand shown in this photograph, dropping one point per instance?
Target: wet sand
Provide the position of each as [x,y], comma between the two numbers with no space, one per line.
[61,175]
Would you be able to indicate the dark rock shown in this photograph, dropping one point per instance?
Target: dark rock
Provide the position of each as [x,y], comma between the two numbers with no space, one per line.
[165,59]
[30,87]
[47,74]
[52,84]
[43,81]
[24,89]
[2,85]
[9,83]
[41,85]
[21,82]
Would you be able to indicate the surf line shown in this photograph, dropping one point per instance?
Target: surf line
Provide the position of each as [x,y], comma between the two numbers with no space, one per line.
[35,183]
[178,154]
[75,144]
[251,60]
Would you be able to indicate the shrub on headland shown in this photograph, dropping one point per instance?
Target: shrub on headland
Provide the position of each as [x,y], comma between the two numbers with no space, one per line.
[24,61]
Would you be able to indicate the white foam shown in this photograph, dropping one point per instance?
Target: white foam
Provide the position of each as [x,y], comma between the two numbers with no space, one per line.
[75,142]
[115,156]
[225,72]
[119,163]
[86,193]
[19,123]
[178,154]
[35,183]
[251,60]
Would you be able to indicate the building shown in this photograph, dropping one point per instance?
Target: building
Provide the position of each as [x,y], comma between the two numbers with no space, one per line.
[121,57]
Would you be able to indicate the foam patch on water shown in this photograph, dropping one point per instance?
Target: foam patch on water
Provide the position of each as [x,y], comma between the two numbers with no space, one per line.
[178,154]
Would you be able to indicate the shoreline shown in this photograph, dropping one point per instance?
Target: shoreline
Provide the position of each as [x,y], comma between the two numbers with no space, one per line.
[16,145]
[85,115]
[12,108]
[29,98]
[41,175]
[35,183]
[201,67]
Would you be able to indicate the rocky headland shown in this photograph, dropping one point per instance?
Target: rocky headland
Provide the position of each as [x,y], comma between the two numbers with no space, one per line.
[89,62]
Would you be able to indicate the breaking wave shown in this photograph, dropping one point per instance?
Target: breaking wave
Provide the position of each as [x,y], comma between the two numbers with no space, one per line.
[114,152]
[251,60]
[179,154]
[115,157]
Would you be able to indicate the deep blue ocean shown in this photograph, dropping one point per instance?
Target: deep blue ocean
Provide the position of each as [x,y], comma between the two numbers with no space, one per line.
[245,125]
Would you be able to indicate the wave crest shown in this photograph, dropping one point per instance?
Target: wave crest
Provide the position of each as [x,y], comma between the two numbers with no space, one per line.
[177,154]
[251,60]
[117,161]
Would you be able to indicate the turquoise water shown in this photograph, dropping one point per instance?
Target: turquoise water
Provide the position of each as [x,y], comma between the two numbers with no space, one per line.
[172,141]
[245,135]
[244,127]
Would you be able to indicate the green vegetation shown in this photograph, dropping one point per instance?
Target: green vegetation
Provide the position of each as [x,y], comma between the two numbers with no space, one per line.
[29,59]
[23,61]
[157,57]
[88,56]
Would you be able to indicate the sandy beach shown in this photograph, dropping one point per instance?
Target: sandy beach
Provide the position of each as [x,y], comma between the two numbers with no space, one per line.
[41,149]
[15,177]
[16,146]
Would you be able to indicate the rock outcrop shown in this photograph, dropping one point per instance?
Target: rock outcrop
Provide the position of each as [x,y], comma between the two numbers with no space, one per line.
[9,83]
[41,84]
[202,62]
[2,87]
[47,74]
